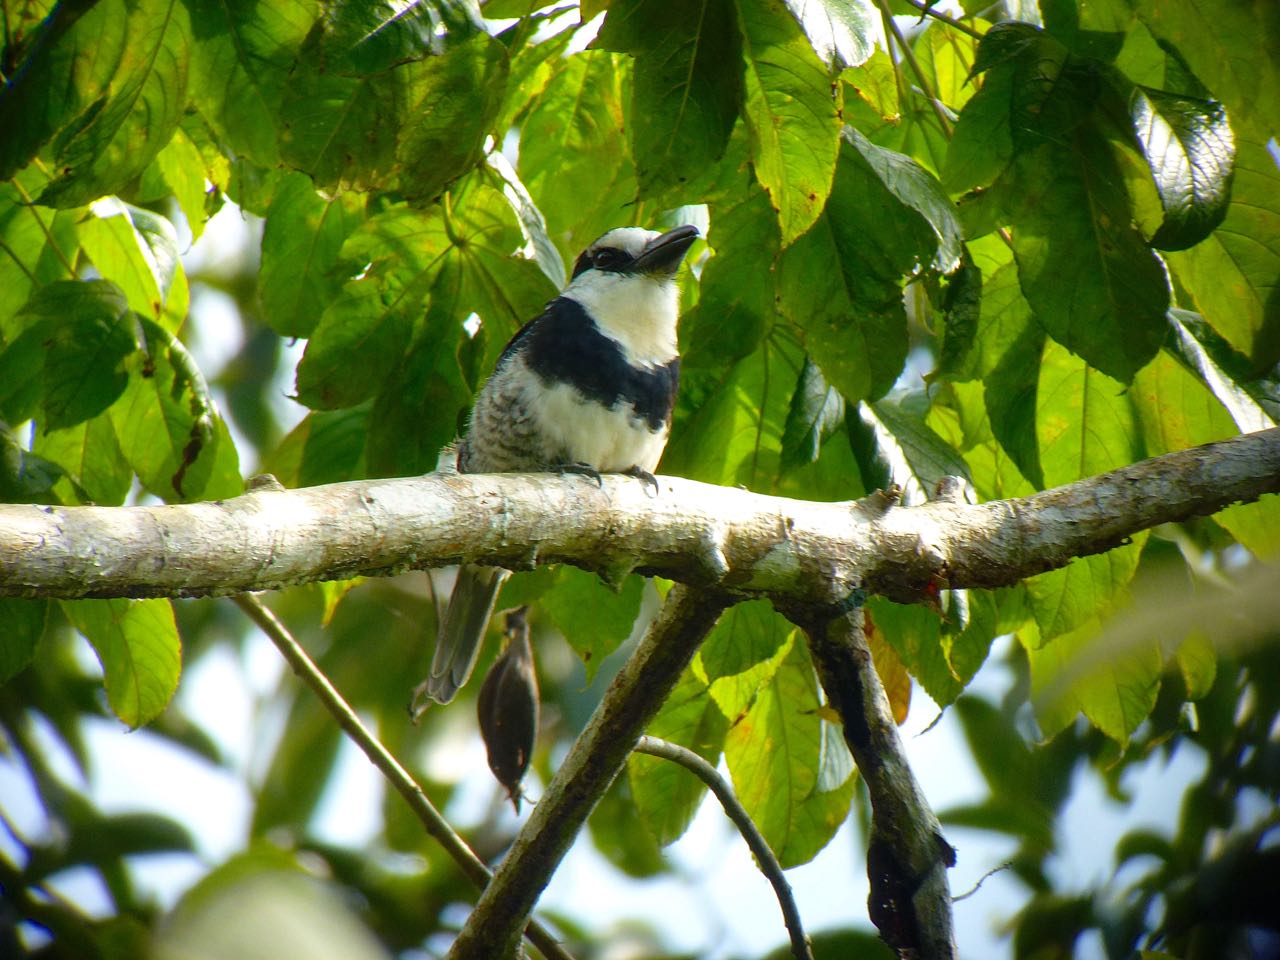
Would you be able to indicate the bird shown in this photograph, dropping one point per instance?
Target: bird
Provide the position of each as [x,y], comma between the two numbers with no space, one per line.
[588,386]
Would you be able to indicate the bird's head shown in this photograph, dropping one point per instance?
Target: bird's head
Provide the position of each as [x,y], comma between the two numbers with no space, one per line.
[626,283]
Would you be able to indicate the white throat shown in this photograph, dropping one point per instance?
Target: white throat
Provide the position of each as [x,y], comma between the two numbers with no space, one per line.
[639,312]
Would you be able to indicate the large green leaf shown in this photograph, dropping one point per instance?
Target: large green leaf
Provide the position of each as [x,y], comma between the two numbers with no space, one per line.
[1086,425]
[742,654]
[1115,688]
[106,84]
[687,86]
[1092,281]
[1189,147]
[138,251]
[138,646]
[594,618]
[666,794]
[300,246]
[458,96]
[737,303]
[842,32]
[793,120]
[894,446]
[842,281]
[792,779]
[242,57]
[89,454]
[39,246]
[573,145]
[326,447]
[168,428]
[81,327]
[1234,276]
[1230,45]
[983,142]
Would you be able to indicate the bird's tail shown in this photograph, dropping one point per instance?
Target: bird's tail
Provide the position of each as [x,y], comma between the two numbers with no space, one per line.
[461,631]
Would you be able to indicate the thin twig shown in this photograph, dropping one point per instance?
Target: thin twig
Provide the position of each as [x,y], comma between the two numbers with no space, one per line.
[926,10]
[909,55]
[981,880]
[436,825]
[736,812]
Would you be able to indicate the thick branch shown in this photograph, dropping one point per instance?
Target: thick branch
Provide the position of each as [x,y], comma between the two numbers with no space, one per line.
[693,532]
[634,696]
[907,857]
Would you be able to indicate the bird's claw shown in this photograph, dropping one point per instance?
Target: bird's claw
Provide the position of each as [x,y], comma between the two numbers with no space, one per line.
[582,469]
[644,476]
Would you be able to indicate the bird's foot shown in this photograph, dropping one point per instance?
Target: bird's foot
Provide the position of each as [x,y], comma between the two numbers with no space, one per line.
[644,476]
[582,469]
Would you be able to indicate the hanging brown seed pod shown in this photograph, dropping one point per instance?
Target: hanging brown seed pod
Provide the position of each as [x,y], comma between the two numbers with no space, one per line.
[508,707]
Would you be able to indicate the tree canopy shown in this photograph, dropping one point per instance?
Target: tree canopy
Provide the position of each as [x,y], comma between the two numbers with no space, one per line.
[1019,244]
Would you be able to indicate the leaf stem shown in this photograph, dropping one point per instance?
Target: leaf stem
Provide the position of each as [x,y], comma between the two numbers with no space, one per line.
[44,227]
[436,825]
[734,810]
[926,10]
[909,56]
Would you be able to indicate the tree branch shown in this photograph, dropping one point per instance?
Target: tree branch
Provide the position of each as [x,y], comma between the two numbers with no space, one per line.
[695,533]
[436,826]
[907,857]
[634,696]
[736,812]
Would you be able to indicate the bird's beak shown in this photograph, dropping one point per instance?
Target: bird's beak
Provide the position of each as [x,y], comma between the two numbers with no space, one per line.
[662,255]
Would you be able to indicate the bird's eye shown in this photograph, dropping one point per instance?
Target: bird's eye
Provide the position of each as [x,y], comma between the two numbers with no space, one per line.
[606,258]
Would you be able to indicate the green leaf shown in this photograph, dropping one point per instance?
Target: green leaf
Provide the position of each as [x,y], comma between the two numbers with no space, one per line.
[1230,46]
[326,447]
[167,428]
[182,166]
[1189,147]
[842,32]
[894,446]
[593,618]
[117,133]
[82,325]
[93,71]
[687,87]
[666,794]
[137,643]
[790,114]
[789,775]
[736,304]
[573,145]
[1086,425]
[729,421]
[460,96]
[39,246]
[1092,281]
[982,145]
[1115,688]
[301,242]
[23,626]
[25,477]
[89,454]
[243,53]
[915,633]
[1234,276]
[135,249]
[741,654]
[817,411]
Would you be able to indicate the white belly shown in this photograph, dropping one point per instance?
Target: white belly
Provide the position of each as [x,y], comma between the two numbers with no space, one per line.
[611,440]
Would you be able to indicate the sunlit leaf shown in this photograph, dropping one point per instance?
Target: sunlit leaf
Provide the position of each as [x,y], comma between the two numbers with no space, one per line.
[138,646]
[1189,147]
[594,618]
[666,794]
[684,101]
[791,116]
